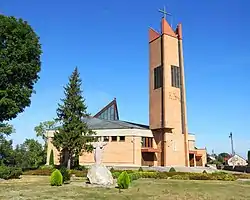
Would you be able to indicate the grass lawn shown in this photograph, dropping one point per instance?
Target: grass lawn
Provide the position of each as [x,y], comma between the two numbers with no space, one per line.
[37,187]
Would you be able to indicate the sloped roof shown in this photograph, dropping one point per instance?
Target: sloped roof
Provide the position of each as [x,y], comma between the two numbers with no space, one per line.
[109,112]
[99,124]
[96,123]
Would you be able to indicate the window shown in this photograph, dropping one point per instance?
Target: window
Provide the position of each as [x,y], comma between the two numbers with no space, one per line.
[113,138]
[158,77]
[175,76]
[147,142]
[106,138]
[122,138]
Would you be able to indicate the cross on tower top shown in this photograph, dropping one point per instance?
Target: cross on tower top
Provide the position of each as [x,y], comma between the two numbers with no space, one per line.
[164,12]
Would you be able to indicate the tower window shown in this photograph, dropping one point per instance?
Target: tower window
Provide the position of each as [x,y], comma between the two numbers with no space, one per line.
[158,77]
[175,76]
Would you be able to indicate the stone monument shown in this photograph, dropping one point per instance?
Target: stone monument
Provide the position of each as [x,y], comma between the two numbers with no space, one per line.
[98,173]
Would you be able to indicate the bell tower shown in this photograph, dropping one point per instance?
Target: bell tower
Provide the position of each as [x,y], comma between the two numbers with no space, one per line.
[167,96]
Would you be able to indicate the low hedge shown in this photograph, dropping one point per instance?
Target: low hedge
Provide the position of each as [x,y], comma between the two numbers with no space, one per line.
[135,174]
[40,172]
[10,172]
[179,176]
[245,169]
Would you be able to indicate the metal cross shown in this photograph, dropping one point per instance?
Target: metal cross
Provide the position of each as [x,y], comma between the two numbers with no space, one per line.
[164,12]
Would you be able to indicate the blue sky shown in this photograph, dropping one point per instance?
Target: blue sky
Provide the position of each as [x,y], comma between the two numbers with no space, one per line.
[108,41]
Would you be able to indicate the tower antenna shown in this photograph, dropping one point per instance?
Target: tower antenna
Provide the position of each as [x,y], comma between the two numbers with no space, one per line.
[232,144]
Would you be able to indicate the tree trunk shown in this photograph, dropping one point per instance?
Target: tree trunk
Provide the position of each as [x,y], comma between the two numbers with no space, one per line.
[69,162]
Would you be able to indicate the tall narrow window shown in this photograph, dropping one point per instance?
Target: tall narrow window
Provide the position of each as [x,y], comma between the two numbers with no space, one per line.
[158,77]
[175,76]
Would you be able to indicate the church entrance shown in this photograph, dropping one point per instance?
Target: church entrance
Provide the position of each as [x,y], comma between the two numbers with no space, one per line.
[147,159]
[191,160]
[198,160]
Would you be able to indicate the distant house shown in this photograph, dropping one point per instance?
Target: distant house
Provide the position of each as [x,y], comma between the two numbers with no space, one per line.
[236,160]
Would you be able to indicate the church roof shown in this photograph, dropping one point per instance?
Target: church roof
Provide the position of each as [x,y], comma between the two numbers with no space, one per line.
[109,112]
[99,124]
[96,123]
[108,118]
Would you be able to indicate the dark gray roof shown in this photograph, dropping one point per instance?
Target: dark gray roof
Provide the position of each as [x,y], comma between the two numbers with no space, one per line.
[97,124]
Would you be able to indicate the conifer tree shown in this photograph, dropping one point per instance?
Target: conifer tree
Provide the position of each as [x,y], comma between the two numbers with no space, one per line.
[73,136]
[51,158]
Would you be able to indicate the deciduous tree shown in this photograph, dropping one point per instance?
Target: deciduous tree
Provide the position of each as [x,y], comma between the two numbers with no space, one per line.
[29,154]
[43,127]
[20,64]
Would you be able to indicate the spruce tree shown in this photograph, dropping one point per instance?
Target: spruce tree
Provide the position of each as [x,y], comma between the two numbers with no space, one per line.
[73,136]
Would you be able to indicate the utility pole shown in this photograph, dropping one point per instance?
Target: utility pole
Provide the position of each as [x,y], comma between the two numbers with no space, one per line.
[232,144]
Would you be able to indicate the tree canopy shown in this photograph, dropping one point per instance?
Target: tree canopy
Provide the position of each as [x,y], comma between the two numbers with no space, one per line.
[73,136]
[30,154]
[20,64]
[43,127]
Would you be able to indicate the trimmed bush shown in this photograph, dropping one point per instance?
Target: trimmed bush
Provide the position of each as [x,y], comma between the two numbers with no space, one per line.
[56,178]
[140,169]
[123,180]
[112,170]
[47,167]
[51,158]
[65,173]
[172,169]
[81,168]
[180,177]
[78,173]
[199,176]
[116,174]
[10,172]
[204,172]
[134,176]
[40,172]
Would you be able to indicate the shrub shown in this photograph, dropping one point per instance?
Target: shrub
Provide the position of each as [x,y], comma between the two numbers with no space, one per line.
[180,177]
[65,173]
[78,173]
[140,169]
[116,174]
[40,172]
[51,158]
[9,172]
[123,180]
[172,169]
[204,172]
[112,169]
[134,176]
[199,176]
[4,172]
[81,168]
[46,167]
[56,178]
[15,173]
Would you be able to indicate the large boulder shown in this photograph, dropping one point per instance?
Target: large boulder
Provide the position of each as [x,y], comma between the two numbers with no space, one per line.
[100,175]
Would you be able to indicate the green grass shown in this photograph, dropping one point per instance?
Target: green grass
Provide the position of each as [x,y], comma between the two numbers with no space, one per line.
[38,188]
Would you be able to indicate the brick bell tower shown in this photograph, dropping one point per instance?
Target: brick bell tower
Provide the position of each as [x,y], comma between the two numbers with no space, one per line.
[167,99]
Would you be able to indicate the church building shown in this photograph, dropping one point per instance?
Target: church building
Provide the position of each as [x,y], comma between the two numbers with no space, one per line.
[165,141]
